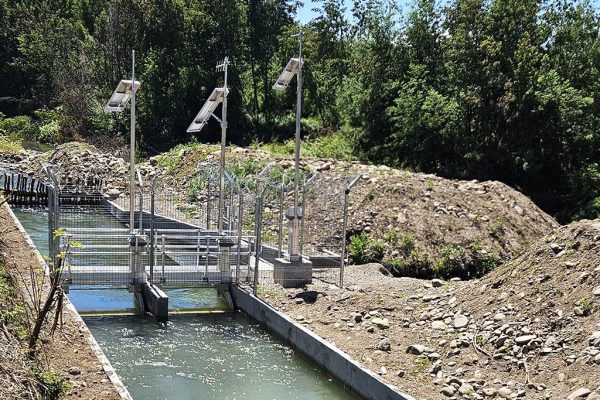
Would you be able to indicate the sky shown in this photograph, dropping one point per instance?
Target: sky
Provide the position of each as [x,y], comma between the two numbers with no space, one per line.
[305,14]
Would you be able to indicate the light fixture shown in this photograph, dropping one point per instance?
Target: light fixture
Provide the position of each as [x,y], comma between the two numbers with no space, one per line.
[287,74]
[218,95]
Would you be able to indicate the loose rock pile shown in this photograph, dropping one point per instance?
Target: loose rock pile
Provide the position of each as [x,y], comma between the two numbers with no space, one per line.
[528,330]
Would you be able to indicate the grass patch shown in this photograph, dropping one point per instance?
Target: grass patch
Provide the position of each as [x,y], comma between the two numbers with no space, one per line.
[586,307]
[263,291]
[363,249]
[334,145]
[52,385]
[12,313]
[9,146]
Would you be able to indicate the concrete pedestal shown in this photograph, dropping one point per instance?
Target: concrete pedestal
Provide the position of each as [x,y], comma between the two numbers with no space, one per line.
[156,302]
[290,274]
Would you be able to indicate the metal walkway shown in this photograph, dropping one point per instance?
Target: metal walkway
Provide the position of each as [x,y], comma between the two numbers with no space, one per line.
[181,254]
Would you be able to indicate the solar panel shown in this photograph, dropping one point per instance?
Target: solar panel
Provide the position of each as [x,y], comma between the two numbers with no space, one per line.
[121,96]
[287,74]
[206,111]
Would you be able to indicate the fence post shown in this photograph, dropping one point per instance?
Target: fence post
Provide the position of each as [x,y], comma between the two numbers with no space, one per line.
[208,202]
[280,234]
[345,221]
[141,203]
[141,227]
[258,218]
[344,226]
[152,238]
[198,248]
[162,243]
[239,243]
[302,220]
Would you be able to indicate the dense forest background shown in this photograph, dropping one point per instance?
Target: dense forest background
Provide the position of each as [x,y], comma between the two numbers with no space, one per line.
[472,89]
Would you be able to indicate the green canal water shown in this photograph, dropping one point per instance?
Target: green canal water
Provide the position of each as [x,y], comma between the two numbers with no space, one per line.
[224,356]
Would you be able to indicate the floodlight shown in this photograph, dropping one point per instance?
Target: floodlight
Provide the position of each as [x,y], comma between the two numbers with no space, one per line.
[121,95]
[287,74]
[207,110]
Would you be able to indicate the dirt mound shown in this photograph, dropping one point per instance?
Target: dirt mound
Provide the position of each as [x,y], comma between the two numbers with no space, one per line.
[542,310]
[423,225]
[83,164]
[529,330]
[418,225]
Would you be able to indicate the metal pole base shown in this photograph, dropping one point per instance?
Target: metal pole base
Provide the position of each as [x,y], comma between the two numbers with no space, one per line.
[294,216]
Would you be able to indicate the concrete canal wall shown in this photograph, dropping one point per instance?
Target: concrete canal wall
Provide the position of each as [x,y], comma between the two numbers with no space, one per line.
[359,380]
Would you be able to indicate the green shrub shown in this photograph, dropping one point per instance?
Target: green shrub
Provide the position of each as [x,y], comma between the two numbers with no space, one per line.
[587,307]
[407,244]
[363,249]
[195,186]
[414,264]
[591,210]
[53,386]
[455,261]
[497,227]
[43,127]
[245,171]
[47,126]
[9,146]
[334,145]
[17,128]
[464,263]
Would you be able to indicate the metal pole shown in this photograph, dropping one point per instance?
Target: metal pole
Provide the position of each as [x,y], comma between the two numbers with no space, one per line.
[207,257]
[301,248]
[280,234]
[132,148]
[223,143]
[343,264]
[163,250]
[239,252]
[141,216]
[298,116]
[345,223]
[198,249]
[152,238]
[258,212]
[208,202]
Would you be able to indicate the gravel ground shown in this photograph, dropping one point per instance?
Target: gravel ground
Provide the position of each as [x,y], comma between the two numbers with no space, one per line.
[455,340]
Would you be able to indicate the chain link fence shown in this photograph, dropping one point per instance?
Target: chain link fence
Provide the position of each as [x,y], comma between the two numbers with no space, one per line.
[175,239]
[182,237]
[325,200]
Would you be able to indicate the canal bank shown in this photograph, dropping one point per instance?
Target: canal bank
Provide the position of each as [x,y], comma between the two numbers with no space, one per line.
[72,352]
[331,359]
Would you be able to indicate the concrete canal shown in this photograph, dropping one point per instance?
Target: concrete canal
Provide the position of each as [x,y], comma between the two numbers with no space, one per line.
[218,355]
